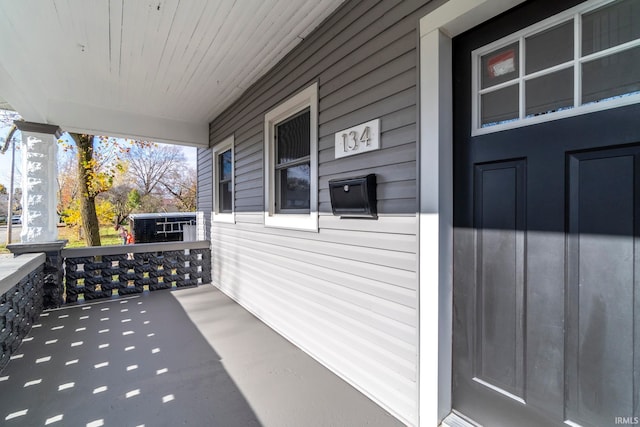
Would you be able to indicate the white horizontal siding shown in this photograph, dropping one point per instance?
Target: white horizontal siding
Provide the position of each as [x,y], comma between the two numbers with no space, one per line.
[352,258]
[354,313]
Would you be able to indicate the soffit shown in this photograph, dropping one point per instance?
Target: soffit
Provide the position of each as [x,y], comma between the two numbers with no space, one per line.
[157,70]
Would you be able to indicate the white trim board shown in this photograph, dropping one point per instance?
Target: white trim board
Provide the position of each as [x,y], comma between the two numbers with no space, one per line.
[436,197]
[82,118]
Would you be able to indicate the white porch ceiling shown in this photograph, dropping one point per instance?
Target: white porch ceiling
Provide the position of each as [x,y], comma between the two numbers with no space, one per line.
[159,70]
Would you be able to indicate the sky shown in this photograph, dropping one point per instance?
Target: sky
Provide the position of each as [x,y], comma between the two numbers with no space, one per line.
[190,153]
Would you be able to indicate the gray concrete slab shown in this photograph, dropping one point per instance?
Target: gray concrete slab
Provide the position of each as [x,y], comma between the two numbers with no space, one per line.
[13,269]
[283,385]
[190,357]
[124,362]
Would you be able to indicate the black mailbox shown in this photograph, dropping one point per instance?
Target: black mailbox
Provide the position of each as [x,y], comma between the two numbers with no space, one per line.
[354,197]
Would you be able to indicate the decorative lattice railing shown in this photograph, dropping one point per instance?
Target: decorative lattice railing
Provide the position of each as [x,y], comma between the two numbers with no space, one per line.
[102,272]
[21,292]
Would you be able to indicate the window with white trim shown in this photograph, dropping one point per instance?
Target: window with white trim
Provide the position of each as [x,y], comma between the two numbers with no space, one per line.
[223,185]
[582,60]
[291,162]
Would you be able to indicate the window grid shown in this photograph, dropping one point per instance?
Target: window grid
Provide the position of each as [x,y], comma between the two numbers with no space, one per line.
[222,182]
[294,146]
[279,168]
[578,60]
[296,162]
[577,51]
[220,213]
[522,101]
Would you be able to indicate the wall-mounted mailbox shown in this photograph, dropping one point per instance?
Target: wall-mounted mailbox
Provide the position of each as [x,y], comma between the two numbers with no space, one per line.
[354,197]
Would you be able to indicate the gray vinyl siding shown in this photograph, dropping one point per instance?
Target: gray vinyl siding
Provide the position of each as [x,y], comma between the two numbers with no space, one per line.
[347,294]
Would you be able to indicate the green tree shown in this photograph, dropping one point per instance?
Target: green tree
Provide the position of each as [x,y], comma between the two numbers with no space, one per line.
[134,199]
[104,211]
[124,200]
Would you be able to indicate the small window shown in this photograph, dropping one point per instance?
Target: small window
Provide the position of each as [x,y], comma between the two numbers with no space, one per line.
[225,188]
[582,60]
[293,171]
[291,162]
[223,173]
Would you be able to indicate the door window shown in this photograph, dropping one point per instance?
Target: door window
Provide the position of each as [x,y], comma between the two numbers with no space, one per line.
[583,60]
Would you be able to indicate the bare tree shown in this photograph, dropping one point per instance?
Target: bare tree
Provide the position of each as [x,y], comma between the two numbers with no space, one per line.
[182,186]
[150,167]
[7,117]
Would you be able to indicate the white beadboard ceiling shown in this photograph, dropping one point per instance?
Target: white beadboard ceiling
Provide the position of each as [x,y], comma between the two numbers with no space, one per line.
[158,70]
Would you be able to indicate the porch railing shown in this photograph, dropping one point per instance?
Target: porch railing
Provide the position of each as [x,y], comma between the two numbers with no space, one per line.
[105,271]
[21,300]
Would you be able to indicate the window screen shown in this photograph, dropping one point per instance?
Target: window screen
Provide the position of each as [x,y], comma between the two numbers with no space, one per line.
[293,172]
[225,189]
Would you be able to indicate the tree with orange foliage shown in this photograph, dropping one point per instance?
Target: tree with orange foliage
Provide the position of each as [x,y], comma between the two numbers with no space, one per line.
[98,162]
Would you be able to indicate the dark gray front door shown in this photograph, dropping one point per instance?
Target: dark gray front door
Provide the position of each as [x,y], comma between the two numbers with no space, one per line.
[546,259]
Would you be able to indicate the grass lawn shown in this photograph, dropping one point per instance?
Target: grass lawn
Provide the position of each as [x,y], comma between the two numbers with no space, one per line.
[108,236]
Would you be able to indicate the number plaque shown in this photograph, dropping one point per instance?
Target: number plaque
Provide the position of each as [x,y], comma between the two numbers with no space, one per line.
[358,139]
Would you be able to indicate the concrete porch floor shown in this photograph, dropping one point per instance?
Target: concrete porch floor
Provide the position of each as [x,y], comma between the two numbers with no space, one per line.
[188,357]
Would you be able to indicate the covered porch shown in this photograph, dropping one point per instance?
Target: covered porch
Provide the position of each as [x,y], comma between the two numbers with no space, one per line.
[187,356]
[158,71]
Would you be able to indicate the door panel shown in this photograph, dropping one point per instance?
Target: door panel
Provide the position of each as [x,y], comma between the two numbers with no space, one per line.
[500,213]
[546,259]
[601,285]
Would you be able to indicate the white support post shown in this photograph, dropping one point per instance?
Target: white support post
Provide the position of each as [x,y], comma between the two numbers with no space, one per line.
[436,228]
[39,175]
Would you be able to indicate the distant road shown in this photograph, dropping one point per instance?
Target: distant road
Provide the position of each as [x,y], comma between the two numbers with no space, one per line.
[15,233]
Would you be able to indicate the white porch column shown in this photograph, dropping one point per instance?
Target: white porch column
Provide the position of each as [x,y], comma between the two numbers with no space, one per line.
[39,175]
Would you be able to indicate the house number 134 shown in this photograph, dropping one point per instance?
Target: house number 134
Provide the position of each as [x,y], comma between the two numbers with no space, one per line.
[351,140]
[358,139]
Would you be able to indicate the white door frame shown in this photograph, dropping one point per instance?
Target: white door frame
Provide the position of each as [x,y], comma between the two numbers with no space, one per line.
[437,29]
